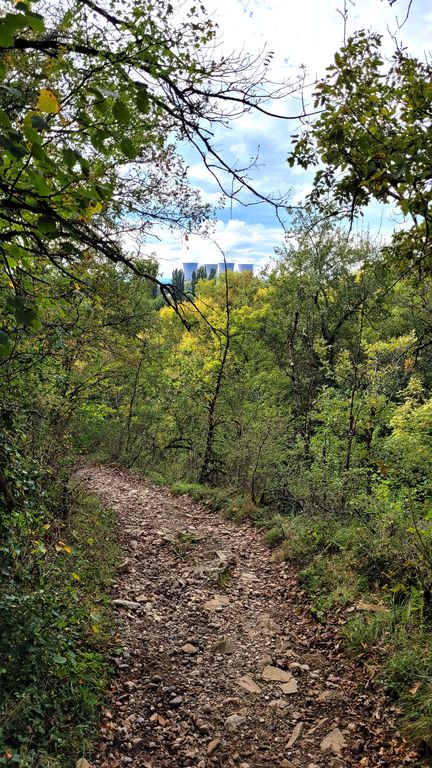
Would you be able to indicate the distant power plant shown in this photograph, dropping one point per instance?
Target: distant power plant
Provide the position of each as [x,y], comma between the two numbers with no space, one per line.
[189,267]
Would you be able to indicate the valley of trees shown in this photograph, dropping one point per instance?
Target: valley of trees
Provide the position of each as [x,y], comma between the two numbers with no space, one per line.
[300,397]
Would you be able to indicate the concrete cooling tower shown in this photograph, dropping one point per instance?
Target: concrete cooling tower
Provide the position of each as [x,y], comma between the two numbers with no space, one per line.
[245,267]
[229,267]
[188,268]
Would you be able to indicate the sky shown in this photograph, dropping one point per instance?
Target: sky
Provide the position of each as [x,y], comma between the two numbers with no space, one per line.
[300,33]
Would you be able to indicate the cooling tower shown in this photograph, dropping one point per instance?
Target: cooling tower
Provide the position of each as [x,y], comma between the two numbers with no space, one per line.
[229,266]
[245,267]
[188,268]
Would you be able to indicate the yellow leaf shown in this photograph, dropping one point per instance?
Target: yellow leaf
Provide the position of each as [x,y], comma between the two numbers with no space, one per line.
[47,102]
[46,526]
[76,576]
[90,540]
[92,209]
[95,629]
[67,549]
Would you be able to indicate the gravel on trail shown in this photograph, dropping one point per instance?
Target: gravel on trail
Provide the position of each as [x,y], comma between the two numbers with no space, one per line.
[221,662]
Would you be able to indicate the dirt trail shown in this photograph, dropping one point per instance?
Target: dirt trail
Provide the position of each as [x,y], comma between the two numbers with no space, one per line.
[222,662]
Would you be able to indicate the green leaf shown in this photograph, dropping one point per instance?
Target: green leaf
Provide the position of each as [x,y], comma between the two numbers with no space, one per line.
[14,21]
[6,37]
[4,119]
[11,145]
[39,183]
[70,156]
[85,166]
[46,224]
[128,148]
[68,248]
[102,106]
[5,344]
[59,659]
[39,122]
[31,135]
[35,21]
[121,112]
[25,316]
[103,191]
[40,154]
[142,100]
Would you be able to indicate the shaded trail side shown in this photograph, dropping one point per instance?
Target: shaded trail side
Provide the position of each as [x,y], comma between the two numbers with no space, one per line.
[222,663]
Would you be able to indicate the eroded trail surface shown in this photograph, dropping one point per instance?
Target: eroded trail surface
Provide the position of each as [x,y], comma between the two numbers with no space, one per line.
[222,662]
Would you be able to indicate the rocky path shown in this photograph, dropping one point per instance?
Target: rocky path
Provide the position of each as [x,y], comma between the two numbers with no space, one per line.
[222,663]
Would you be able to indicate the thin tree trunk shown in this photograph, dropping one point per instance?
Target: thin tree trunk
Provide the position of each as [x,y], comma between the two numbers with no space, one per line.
[131,404]
[206,467]
[351,418]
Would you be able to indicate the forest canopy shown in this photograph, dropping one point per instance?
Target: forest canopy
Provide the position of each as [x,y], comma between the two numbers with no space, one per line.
[93,101]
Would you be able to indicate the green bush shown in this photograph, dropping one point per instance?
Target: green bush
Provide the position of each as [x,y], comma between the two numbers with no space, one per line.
[54,633]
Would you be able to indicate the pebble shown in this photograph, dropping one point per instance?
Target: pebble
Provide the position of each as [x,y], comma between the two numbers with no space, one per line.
[126,604]
[189,648]
[212,746]
[233,722]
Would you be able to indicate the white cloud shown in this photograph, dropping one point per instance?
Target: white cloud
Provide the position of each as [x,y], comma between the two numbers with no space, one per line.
[241,242]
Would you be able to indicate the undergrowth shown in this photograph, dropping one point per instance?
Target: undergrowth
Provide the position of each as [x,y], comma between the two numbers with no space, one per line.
[235,507]
[54,637]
